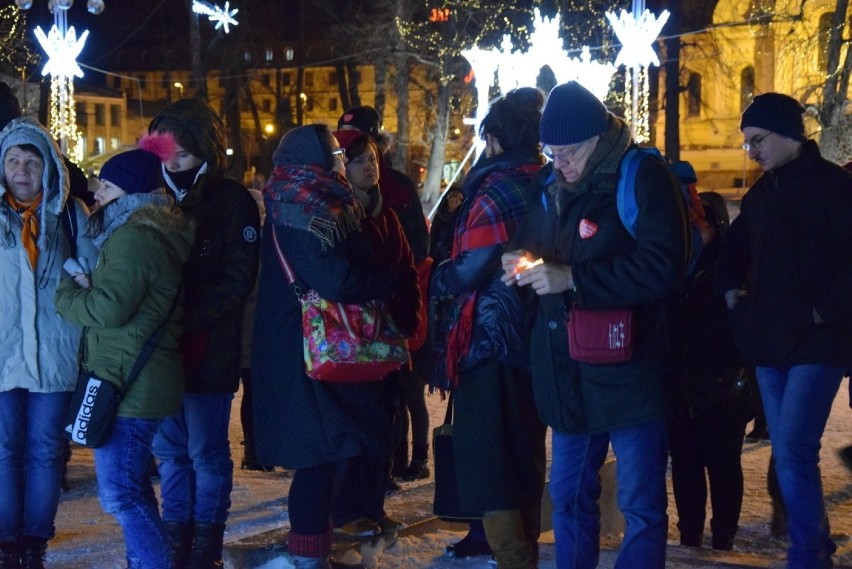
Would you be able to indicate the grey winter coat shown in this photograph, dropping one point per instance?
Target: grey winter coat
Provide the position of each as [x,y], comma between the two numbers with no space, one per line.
[38,349]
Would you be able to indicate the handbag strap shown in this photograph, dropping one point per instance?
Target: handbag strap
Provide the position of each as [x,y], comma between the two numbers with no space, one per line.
[448,416]
[150,345]
[288,270]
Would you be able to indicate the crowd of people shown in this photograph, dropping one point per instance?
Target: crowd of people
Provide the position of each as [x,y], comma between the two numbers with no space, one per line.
[648,337]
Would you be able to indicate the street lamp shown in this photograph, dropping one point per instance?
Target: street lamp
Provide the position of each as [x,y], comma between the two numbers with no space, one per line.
[179,87]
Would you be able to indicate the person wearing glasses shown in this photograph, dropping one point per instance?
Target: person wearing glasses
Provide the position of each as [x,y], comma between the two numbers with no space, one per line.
[303,424]
[578,255]
[785,270]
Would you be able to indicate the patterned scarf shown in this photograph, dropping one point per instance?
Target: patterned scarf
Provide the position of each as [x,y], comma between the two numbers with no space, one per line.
[29,224]
[491,219]
[309,198]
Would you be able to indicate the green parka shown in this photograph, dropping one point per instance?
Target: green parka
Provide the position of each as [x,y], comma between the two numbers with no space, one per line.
[138,274]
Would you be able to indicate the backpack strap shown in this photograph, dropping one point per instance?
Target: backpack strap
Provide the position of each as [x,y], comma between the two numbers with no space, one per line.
[625,195]
[68,218]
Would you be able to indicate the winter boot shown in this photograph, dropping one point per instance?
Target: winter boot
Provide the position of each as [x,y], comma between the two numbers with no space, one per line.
[505,532]
[180,542]
[207,547]
[32,552]
[10,555]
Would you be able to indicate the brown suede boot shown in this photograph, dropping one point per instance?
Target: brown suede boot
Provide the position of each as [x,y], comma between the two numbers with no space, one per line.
[505,532]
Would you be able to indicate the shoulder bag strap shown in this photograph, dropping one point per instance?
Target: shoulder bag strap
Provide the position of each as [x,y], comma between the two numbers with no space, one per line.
[150,345]
[288,270]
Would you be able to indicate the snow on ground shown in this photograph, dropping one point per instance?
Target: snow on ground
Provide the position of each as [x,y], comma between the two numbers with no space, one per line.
[89,539]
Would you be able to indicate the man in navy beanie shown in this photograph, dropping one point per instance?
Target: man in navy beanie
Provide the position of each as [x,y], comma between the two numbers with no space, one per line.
[592,267]
[785,270]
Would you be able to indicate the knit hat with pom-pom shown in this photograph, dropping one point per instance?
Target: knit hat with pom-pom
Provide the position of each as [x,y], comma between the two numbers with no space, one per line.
[139,170]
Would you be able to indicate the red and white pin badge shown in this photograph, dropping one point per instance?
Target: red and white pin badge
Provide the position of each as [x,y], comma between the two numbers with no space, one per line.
[587,228]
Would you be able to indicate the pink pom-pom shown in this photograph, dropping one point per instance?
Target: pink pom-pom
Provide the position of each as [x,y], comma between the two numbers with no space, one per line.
[162,144]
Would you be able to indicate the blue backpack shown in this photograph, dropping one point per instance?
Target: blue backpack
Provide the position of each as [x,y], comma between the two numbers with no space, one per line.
[628,209]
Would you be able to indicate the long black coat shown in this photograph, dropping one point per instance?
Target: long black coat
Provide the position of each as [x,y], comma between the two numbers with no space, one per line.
[790,248]
[301,422]
[611,271]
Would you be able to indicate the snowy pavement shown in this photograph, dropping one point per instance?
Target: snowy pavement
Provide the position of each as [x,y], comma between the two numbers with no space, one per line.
[89,539]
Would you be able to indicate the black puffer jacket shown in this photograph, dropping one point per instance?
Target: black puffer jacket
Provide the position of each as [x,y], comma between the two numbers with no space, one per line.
[790,248]
[502,319]
[218,278]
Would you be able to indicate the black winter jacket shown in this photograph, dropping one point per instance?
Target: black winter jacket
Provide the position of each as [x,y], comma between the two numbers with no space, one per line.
[790,248]
[502,319]
[218,279]
[611,270]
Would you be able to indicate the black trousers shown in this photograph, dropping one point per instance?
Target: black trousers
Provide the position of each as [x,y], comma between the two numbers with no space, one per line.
[498,443]
[706,445]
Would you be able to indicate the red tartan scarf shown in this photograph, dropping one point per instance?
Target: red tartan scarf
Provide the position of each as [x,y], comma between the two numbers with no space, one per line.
[312,199]
[492,218]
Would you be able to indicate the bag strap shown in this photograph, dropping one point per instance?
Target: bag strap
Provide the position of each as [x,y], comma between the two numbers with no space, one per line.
[68,218]
[288,270]
[150,345]
[448,416]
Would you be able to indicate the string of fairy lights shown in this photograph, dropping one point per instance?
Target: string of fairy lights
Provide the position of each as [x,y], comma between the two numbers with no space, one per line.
[516,63]
[63,46]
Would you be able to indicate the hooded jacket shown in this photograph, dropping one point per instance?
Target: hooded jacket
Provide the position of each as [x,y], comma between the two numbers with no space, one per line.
[134,286]
[38,349]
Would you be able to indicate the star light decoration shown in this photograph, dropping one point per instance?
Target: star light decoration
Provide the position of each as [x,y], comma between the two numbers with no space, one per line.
[224,17]
[637,32]
[512,69]
[63,47]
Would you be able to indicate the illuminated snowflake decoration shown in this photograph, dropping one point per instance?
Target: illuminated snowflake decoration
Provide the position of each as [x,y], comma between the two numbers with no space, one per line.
[513,69]
[637,36]
[637,32]
[224,17]
[62,51]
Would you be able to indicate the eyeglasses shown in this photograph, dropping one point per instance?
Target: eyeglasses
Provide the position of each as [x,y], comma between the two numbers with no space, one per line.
[339,153]
[755,142]
[565,155]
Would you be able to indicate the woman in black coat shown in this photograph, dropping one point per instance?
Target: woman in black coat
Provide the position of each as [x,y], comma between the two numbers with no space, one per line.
[301,423]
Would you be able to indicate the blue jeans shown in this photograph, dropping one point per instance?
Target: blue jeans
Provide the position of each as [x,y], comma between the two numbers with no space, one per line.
[642,457]
[32,446]
[196,471]
[797,401]
[125,492]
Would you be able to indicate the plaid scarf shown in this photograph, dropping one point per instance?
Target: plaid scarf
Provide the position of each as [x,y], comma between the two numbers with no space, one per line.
[491,218]
[309,198]
[29,224]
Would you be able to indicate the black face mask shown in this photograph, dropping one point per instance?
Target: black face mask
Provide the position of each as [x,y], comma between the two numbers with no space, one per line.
[184,180]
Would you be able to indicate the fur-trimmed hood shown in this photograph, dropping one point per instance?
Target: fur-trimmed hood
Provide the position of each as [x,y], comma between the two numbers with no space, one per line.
[171,222]
[56,183]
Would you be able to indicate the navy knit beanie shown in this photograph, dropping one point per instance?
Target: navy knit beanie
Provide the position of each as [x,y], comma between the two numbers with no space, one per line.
[140,170]
[776,113]
[572,114]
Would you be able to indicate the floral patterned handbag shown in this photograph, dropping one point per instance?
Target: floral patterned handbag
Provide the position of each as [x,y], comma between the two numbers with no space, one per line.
[346,343]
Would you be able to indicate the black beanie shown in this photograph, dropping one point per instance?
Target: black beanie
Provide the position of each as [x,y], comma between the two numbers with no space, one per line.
[572,114]
[364,118]
[776,113]
[197,128]
[10,108]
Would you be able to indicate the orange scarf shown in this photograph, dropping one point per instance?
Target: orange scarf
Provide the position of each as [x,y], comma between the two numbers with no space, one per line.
[29,220]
